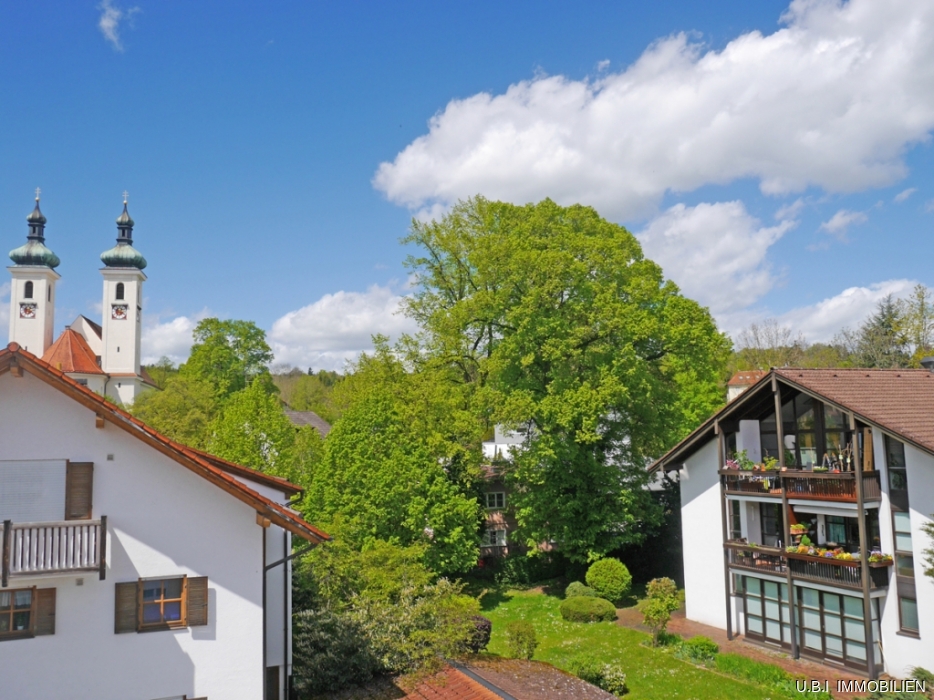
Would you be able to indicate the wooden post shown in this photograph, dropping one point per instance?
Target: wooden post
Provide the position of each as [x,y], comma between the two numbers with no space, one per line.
[7,532]
[779,428]
[103,548]
[721,458]
[863,554]
[786,519]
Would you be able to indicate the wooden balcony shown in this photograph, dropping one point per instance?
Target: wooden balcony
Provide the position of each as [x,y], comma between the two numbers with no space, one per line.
[841,573]
[820,486]
[37,549]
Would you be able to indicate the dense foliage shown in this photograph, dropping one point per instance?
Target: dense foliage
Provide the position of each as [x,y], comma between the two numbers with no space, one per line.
[328,650]
[609,677]
[587,609]
[700,648]
[610,579]
[392,470]
[564,331]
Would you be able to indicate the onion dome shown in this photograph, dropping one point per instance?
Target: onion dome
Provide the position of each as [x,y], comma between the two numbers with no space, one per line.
[124,254]
[34,251]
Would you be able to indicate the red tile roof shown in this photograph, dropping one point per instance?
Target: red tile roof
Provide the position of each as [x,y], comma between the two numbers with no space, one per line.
[451,684]
[746,377]
[14,358]
[71,353]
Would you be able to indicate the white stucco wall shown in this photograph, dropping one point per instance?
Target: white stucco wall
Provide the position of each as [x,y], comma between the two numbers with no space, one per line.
[903,652]
[702,536]
[163,521]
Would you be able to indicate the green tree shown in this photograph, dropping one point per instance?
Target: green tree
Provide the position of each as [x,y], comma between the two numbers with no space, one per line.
[917,312]
[183,411]
[565,331]
[163,370]
[881,340]
[661,600]
[310,392]
[254,431]
[229,355]
[391,472]
[929,552]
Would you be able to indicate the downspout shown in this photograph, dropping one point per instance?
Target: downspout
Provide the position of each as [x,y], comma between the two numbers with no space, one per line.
[263,530]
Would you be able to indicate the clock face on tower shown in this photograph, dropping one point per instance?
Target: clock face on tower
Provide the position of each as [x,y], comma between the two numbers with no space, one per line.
[118,312]
[27,310]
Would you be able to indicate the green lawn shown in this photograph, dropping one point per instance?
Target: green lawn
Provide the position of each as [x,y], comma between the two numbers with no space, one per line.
[650,673]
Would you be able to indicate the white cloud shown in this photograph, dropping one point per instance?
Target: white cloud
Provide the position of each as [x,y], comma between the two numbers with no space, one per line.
[821,321]
[790,211]
[831,100]
[904,195]
[839,223]
[715,252]
[338,327]
[110,19]
[170,339]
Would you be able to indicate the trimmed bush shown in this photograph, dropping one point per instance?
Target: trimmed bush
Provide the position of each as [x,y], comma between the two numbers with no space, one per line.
[587,609]
[578,589]
[330,652]
[520,639]
[700,648]
[610,579]
[481,634]
[609,677]
[661,600]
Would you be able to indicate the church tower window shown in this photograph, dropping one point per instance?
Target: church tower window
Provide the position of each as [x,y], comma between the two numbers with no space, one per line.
[27,290]
[119,290]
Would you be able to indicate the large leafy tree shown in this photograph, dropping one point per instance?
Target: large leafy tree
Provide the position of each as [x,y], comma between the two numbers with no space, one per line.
[563,330]
[184,410]
[229,355]
[394,468]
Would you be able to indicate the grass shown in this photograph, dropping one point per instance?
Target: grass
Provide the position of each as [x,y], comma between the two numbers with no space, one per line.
[652,674]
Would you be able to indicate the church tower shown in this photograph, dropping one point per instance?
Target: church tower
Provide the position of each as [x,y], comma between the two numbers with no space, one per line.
[32,297]
[122,311]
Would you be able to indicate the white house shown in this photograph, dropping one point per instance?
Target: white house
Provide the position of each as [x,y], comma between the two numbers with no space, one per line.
[851,457]
[132,566]
[105,358]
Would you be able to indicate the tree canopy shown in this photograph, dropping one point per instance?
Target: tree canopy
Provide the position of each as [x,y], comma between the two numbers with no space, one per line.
[229,355]
[565,331]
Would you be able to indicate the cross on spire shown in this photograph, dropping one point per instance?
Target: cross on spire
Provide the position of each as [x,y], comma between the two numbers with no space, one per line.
[38,191]
[126,196]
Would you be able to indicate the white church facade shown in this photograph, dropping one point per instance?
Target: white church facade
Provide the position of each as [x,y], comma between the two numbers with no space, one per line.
[104,357]
[132,566]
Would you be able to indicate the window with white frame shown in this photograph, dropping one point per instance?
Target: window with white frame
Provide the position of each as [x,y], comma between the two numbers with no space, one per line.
[496,500]
[494,538]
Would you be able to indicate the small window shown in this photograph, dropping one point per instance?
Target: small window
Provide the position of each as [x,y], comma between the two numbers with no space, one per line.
[27,291]
[496,501]
[736,526]
[119,295]
[161,603]
[27,612]
[494,538]
[908,610]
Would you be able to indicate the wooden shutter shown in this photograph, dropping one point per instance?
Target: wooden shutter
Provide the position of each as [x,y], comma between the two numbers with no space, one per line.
[45,611]
[79,481]
[197,601]
[125,608]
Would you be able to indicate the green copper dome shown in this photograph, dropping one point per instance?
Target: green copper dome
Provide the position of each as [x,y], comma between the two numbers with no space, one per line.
[124,254]
[34,252]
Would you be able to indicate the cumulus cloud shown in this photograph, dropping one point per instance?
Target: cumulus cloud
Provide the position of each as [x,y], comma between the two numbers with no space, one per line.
[832,100]
[110,20]
[904,195]
[839,223]
[170,338]
[715,252]
[338,327]
[821,321]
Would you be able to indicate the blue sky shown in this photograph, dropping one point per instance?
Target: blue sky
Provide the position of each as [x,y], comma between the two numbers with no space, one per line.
[774,158]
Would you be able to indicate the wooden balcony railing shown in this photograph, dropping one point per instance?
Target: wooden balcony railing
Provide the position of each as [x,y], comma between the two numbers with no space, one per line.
[846,573]
[824,486]
[34,549]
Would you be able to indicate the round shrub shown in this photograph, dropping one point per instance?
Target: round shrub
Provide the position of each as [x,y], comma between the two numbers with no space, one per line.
[610,579]
[480,636]
[610,677]
[587,609]
[520,639]
[578,589]
[700,648]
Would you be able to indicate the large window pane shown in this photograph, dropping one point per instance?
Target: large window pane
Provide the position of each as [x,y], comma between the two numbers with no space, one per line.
[753,585]
[753,606]
[832,603]
[771,590]
[754,624]
[811,620]
[854,630]
[807,449]
[856,651]
[898,479]
[902,522]
[903,543]
[834,418]
[904,565]
[773,630]
[853,607]
[832,625]
[771,609]
[909,611]
[804,412]
[812,640]
[810,597]
[834,645]
[894,452]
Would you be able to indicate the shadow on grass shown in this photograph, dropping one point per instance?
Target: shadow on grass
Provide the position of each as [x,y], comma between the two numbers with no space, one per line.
[493,598]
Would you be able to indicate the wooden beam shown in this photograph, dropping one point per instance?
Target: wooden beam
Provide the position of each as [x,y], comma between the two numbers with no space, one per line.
[98,420]
[721,457]
[102,571]
[262,520]
[863,551]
